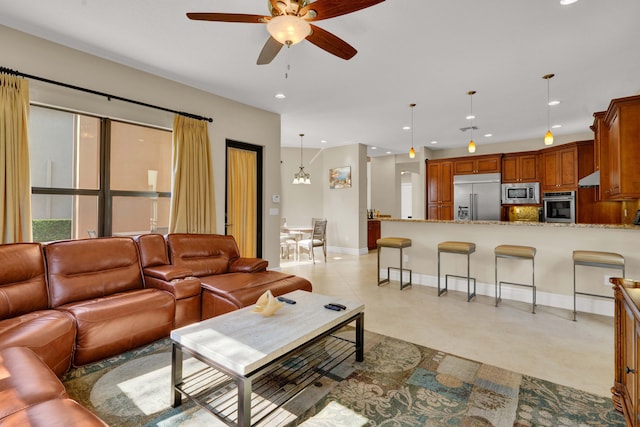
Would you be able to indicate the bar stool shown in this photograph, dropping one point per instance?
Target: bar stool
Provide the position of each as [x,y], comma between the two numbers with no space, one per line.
[594,259]
[516,252]
[463,248]
[397,243]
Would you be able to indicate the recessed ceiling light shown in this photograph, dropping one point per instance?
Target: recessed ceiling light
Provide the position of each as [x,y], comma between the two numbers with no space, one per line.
[470,117]
[406,127]
[374,148]
[556,126]
[488,135]
[554,102]
[434,142]
[323,141]
[567,2]
[281,95]
[388,152]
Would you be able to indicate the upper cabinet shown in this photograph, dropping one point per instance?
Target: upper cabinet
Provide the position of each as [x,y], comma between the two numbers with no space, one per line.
[559,166]
[521,167]
[490,163]
[619,135]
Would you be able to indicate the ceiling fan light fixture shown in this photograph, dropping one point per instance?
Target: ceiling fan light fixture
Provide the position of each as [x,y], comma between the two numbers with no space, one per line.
[288,29]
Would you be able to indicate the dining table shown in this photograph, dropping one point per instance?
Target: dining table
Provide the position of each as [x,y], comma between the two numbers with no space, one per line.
[297,233]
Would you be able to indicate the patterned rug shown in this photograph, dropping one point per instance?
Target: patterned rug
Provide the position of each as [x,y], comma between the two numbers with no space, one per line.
[398,384]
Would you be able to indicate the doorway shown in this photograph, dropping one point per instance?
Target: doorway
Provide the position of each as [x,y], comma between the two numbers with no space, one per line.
[243,199]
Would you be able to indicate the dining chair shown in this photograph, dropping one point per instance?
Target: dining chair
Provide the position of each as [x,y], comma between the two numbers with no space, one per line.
[318,239]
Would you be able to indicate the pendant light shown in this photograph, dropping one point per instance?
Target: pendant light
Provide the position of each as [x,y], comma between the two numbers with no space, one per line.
[472,145]
[412,151]
[301,177]
[548,137]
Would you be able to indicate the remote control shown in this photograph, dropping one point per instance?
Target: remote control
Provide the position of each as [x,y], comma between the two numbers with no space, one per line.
[332,307]
[340,306]
[287,300]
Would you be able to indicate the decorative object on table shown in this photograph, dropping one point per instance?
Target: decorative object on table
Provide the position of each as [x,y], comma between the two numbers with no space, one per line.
[340,177]
[267,304]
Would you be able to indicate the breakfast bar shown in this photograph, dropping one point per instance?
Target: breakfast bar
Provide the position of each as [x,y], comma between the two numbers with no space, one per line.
[555,244]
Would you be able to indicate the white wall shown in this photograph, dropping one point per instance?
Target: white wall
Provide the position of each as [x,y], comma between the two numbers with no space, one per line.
[41,58]
[344,208]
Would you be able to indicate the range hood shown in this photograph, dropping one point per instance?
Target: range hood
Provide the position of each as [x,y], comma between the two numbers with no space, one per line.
[592,180]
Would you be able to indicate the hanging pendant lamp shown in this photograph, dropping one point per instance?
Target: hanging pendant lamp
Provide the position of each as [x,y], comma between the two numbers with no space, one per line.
[412,151]
[472,145]
[548,137]
[301,177]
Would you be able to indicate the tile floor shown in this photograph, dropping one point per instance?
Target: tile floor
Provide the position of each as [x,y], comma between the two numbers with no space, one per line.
[546,345]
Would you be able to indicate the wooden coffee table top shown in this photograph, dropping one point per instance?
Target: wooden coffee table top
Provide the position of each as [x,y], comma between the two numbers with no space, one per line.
[242,341]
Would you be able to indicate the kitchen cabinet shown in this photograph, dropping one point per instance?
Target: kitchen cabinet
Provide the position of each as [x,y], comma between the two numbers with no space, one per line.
[626,345]
[600,152]
[620,174]
[373,233]
[559,167]
[521,167]
[490,163]
[440,189]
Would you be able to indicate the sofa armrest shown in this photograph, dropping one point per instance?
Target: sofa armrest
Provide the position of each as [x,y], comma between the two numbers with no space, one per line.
[167,272]
[248,265]
[180,288]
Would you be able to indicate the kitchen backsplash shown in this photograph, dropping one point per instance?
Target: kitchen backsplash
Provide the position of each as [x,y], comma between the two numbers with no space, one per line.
[523,213]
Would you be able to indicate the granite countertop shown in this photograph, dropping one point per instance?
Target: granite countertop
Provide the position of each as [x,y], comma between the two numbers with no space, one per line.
[520,223]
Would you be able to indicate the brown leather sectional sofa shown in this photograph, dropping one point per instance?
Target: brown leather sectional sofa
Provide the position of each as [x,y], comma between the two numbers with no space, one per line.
[75,302]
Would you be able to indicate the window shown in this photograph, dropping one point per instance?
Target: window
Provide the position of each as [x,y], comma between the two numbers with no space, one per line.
[94,176]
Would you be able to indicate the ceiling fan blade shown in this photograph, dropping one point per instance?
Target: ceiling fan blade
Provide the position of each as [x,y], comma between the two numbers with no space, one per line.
[331,43]
[229,17]
[325,9]
[269,51]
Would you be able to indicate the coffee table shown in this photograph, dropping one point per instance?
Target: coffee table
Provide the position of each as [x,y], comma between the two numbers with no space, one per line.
[255,364]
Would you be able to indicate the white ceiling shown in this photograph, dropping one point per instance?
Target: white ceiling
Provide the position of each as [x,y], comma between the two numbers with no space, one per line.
[428,52]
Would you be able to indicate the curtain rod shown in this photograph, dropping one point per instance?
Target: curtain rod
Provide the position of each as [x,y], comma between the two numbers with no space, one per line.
[6,70]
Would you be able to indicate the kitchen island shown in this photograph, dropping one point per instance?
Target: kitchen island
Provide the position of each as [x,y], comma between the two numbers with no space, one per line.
[554,242]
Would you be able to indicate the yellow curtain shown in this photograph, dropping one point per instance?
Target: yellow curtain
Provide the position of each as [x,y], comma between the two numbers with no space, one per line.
[15,180]
[241,195]
[193,208]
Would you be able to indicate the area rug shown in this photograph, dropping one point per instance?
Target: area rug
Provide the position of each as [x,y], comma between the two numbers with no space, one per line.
[397,384]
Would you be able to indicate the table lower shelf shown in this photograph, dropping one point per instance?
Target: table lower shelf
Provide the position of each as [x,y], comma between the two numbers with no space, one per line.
[271,388]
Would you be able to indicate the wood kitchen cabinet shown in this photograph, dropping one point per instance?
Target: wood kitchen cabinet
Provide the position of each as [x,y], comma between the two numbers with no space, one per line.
[626,345]
[620,160]
[373,233]
[559,168]
[521,167]
[440,189]
[490,163]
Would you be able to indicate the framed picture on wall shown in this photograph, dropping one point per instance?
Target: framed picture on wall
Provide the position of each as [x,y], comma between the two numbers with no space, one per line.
[340,177]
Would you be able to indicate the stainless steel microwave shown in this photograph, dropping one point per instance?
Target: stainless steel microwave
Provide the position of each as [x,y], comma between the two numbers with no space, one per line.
[522,193]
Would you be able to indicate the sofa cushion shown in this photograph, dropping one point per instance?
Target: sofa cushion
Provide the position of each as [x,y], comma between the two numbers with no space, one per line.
[203,254]
[25,381]
[53,413]
[50,334]
[153,250]
[120,322]
[80,270]
[22,279]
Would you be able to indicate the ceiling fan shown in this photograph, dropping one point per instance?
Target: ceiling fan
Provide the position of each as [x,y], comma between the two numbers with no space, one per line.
[289,24]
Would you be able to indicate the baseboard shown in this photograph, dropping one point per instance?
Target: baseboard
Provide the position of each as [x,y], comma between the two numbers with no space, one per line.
[584,304]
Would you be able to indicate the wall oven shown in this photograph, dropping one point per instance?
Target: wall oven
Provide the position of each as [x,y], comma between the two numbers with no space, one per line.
[523,193]
[559,206]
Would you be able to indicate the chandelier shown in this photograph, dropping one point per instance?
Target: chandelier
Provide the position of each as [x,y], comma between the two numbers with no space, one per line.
[301,177]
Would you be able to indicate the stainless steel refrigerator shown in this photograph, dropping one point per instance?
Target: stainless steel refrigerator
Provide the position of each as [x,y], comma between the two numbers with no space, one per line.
[476,197]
